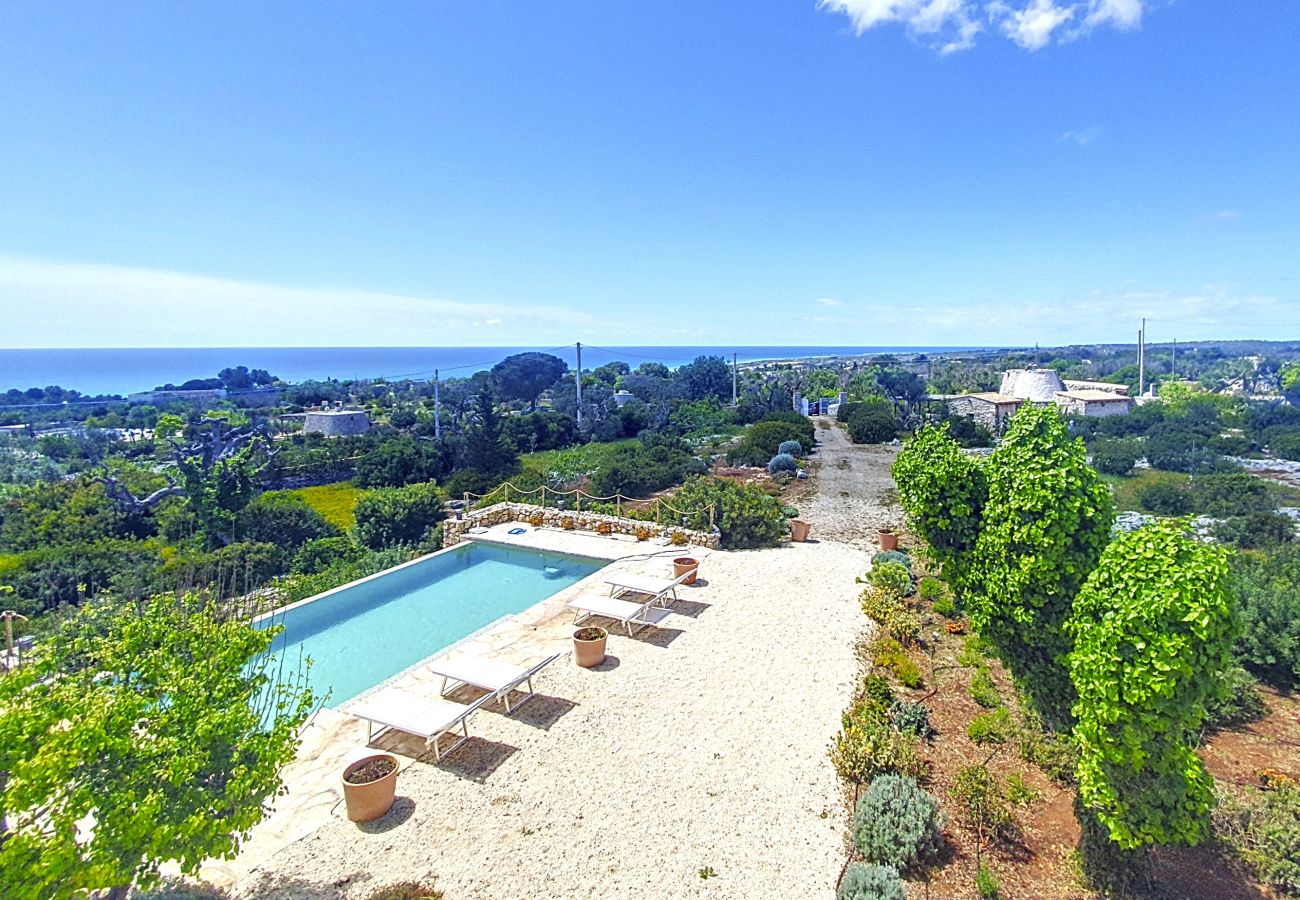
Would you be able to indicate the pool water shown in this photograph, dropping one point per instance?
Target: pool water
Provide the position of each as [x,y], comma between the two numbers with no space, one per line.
[360,635]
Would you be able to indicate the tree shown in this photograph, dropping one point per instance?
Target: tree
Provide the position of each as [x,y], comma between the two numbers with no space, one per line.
[157,722]
[399,461]
[525,376]
[1047,519]
[391,517]
[486,449]
[871,421]
[1152,628]
[707,376]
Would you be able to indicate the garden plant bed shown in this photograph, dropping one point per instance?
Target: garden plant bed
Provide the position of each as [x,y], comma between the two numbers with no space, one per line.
[1036,856]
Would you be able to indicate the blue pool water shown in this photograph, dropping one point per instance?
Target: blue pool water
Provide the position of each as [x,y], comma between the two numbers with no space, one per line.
[361,635]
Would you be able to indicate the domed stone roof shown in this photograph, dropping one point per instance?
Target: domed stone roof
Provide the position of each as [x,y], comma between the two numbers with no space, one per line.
[1035,385]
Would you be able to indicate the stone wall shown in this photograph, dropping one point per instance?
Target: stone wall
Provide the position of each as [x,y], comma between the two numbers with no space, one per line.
[992,416]
[453,530]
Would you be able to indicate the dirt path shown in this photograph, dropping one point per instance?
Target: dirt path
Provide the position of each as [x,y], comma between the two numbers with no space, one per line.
[855,492]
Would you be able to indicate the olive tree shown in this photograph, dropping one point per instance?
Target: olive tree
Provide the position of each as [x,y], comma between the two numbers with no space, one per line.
[139,734]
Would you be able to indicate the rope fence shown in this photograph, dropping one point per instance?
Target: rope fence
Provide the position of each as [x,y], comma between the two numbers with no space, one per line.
[502,493]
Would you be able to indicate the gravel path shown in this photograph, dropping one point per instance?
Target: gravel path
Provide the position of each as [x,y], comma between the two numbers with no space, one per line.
[855,493]
[698,748]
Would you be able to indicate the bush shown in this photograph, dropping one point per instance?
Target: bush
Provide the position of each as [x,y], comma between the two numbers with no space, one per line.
[896,556]
[1164,499]
[876,695]
[878,604]
[892,578]
[911,718]
[969,433]
[746,517]
[1228,494]
[314,556]
[1237,702]
[982,689]
[389,517]
[763,440]
[932,590]
[986,883]
[791,448]
[397,462]
[898,824]
[1267,589]
[866,881]
[907,672]
[1264,829]
[1114,457]
[782,462]
[868,747]
[872,421]
[1258,531]
[1286,445]
[284,520]
[992,727]
[980,800]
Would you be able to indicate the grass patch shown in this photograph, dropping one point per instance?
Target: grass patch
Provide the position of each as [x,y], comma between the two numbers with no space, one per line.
[562,467]
[336,502]
[1127,488]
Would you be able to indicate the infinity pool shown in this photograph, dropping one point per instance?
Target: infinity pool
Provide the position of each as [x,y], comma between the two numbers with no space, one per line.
[359,635]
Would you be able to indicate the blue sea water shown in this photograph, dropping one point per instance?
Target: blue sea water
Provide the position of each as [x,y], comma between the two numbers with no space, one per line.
[365,633]
[123,371]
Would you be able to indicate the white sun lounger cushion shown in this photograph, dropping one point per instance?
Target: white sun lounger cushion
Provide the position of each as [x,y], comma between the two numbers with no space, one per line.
[425,717]
[624,611]
[658,588]
[493,675]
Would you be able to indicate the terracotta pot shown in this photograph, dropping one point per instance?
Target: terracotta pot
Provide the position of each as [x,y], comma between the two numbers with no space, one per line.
[888,540]
[684,564]
[370,800]
[589,653]
[799,530]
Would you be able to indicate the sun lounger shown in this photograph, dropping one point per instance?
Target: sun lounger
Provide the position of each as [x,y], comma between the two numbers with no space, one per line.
[498,678]
[659,589]
[424,717]
[625,611]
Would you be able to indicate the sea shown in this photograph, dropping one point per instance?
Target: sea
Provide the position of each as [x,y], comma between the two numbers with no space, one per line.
[123,371]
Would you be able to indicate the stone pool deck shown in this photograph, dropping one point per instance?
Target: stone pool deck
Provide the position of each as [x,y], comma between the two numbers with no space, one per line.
[696,747]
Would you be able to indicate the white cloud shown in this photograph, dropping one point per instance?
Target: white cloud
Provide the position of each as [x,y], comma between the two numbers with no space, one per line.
[1082,137]
[54,304]
[1226,215]
[952,25]
[829,301]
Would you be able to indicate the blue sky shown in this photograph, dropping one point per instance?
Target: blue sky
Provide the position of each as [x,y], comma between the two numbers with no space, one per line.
[509,173]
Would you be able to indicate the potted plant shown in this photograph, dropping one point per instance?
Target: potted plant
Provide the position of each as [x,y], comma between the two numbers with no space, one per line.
[589,646]
[369,785]
[684,564]
[799,530]
[888,540]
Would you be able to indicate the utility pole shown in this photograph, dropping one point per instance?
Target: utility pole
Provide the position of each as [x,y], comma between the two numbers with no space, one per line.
[1173,359]
[1142,358]
[437,413]
[735,379]
[578,382]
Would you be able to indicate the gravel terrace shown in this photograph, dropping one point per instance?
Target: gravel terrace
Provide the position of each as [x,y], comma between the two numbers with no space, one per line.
[695,750]
[855,493]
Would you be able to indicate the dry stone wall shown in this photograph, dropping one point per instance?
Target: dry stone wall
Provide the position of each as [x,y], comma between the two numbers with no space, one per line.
[454,530]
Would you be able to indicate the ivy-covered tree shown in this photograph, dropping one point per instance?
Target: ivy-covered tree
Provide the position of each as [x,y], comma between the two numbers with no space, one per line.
[943,492]
[153,721]
[1044,525]
[1152,628]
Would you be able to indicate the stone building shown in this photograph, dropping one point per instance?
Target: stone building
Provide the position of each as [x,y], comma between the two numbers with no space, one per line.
[1094,403]
[336,422]
[1034,385]
[990,409]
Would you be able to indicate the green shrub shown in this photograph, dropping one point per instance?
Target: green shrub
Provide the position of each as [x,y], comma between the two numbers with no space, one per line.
[932,590]
[911,718]
[1237,702]
[982,689]
[973,651]
[1020,793]
[746,517]
[868,746]
[790,448]
[898,824]
[1259,530]
[986,883]
[980,801]
[1228,494]
[782,462]
[1114,457]
[322,553]
[389,517]
[1056,754]
[892,577]
[876,692]
[907,672]
[992,727]
[867,881]
[896,556]
[1286,445]
[878,604]
[282,519]
[1264,829]
[872,421]
[1165,499]
[1267,589]
[762,440]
